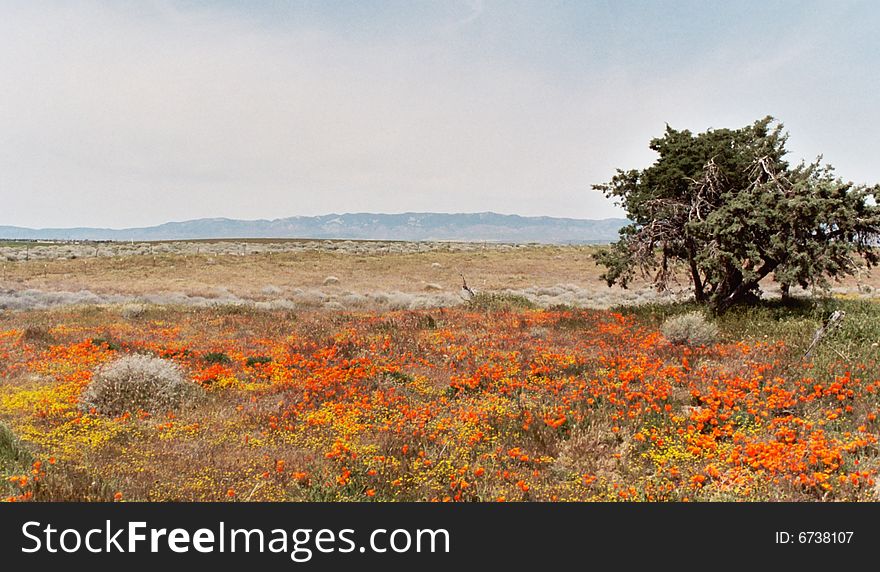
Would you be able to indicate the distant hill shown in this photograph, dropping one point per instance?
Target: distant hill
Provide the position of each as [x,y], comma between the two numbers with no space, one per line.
[407,226]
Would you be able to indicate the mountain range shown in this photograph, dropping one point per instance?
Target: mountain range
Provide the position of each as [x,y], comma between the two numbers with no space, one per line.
[485,226]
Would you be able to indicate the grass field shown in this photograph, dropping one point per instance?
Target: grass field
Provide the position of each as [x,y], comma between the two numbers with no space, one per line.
[331,274]
[511,396]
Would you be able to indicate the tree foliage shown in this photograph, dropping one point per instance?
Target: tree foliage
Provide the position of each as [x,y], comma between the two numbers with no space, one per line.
[726,206]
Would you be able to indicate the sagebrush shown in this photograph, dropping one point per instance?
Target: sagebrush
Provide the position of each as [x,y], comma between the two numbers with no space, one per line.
[135,383]
[690,329]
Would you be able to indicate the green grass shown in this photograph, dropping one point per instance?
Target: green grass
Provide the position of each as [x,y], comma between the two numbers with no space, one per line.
[217,357]
[15,459]
[793,322]
[13,455]
[70,483]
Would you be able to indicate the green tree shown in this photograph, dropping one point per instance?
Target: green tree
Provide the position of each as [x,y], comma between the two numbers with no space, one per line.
[727,208]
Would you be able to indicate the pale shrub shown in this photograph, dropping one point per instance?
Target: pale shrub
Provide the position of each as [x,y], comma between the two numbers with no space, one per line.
[133,311]
[593,451]
[690,329]
[271,290]
[138,382]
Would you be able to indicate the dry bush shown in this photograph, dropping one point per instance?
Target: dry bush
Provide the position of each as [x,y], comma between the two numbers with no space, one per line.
[133,311]
[499,301]
[138,382]
[595,451]
[34,334]
[690,329]
[271,290]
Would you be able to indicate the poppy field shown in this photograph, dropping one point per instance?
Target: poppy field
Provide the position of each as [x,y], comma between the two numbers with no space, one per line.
[497,403]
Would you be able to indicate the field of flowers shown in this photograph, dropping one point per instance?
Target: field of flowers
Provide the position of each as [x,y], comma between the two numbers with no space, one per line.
[454,404]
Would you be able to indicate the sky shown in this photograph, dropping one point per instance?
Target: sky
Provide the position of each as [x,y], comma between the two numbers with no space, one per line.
[134,113]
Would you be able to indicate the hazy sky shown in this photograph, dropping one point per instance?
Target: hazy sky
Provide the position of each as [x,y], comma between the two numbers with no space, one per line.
[135,113]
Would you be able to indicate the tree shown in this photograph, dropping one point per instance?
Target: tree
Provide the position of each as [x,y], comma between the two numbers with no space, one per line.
[726,206]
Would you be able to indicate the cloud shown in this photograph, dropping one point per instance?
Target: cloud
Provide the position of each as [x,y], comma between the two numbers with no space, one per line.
[121,119]
[126,114]
[475,10]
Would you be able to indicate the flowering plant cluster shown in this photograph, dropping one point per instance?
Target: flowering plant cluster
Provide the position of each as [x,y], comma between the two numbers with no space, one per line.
[438,405]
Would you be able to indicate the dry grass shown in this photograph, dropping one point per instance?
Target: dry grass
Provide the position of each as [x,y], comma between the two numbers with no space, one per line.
[374,267]
[332,274]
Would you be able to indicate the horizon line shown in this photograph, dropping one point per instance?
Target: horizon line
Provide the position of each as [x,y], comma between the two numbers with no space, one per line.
[222,218]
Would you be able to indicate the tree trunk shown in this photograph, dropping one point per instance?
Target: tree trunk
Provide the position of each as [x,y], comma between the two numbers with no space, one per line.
[699,289]
[724,303]
[727,287]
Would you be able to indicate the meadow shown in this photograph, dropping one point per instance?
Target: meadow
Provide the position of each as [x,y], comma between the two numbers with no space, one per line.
[547,386]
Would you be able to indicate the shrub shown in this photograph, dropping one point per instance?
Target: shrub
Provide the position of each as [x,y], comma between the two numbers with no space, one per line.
[216,357]
[37,334]
[690,329]
[133,311]
[499,301]
[108,343]
[138,382]
[257,360]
